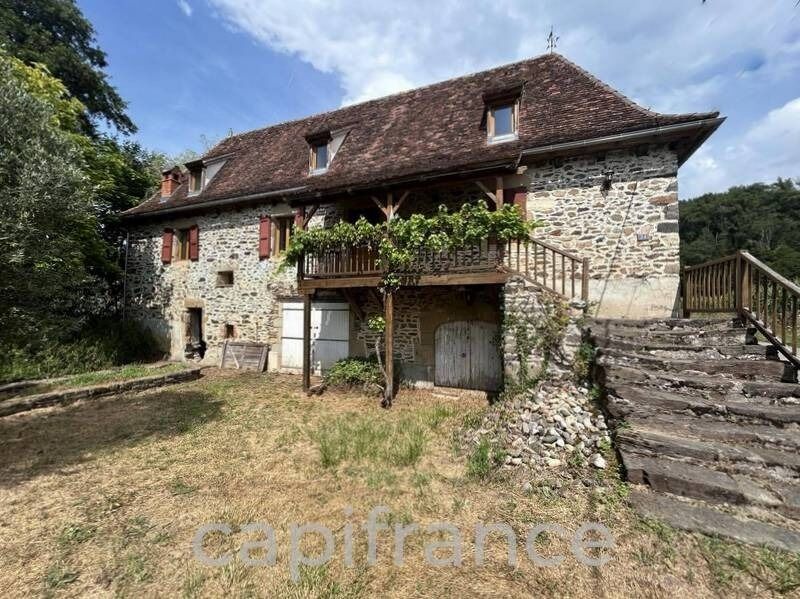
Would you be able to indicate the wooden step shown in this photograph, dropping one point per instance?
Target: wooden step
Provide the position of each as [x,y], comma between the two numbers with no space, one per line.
[686,515]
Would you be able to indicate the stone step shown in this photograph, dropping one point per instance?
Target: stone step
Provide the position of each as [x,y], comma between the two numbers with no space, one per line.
[660,324]
[711,385]
[716,428]
[623,401]
[675,337]
[710,352]
[647,438]
[687,515]
[743,369]
[677,477]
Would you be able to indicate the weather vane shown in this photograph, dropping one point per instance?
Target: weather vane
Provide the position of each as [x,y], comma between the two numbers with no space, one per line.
[552,40]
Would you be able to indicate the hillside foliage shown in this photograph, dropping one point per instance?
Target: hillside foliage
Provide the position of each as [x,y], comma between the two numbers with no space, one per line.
[762,218]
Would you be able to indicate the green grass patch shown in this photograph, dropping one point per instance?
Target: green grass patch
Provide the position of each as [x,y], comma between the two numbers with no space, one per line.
[58,576]
[75,534]
[483,460]
[89,379]
[779,571]
[364,438]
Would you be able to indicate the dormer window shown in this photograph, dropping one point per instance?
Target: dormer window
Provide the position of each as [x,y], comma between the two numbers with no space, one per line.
[319,157]
[501,121]
[195,181]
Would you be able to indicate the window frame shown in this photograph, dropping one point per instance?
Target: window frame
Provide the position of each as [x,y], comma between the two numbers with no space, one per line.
[281,231]
[490,121]
[223,276]
[182,244]
[313,166]
[198,178]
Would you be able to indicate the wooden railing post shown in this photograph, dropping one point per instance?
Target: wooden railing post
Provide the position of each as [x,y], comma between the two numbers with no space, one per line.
[686,288]
[306,341]
[585,279]
[388,304]
[739,290]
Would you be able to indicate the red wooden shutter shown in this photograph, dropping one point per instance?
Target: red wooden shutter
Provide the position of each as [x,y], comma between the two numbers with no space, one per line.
[518,196]
[264,237]
[194,243]
[166,246]
[299,217]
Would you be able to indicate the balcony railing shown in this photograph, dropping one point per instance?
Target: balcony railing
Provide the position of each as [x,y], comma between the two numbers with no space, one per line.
[542,264]
[362,261]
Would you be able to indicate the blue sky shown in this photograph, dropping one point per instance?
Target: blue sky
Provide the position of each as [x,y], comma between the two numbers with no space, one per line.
[196,69]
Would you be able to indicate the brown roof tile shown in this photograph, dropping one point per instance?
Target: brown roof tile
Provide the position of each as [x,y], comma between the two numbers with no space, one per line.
[431,129]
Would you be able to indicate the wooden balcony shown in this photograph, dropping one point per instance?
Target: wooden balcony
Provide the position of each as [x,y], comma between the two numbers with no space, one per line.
[488,262]
[480,263]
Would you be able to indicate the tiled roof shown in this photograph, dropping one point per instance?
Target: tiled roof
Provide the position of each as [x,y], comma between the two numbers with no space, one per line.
[433,129]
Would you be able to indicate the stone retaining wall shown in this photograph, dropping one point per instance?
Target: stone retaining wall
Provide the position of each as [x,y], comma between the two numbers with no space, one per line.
[66,396]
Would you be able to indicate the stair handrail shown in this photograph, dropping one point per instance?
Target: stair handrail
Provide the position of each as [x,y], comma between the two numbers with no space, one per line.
[741,283]
[529,258]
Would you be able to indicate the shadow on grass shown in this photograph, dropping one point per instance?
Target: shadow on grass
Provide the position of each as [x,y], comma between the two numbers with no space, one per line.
[46,441]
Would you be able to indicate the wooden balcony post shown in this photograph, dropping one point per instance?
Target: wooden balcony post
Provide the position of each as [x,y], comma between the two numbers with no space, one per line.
[388,304]
[306,341]
[585,280]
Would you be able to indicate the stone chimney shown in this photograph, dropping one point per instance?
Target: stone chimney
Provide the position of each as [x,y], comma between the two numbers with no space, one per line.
[170,179]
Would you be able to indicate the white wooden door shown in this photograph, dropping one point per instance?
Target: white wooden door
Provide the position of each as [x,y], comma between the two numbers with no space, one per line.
[330,335]
[467,355]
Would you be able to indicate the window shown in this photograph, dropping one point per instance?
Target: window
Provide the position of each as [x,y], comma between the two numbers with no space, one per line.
[229,332]
[183,244]
[319,157]
[501,122]
[225,278]
[195,181]
[281,233]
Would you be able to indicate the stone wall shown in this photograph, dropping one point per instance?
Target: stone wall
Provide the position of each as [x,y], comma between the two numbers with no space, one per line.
[526,303]
[629,231]
[159,295]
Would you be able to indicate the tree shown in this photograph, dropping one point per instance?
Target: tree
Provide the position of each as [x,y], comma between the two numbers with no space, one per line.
[761,218]
[46,221]
[56,34]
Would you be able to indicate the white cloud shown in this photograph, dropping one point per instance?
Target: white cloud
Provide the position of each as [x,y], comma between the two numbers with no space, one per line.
[703,56]
[185,7]
[768,150]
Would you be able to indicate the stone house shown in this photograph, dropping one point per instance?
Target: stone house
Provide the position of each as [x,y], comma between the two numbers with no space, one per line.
[595,170]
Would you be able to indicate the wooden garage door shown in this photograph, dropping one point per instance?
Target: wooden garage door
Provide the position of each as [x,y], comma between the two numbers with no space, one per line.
[468,356]
[330,334]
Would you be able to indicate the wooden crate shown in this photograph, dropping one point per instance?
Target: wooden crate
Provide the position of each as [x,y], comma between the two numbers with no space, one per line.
[244,355]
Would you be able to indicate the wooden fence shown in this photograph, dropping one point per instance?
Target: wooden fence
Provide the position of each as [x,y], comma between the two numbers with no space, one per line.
[743,284]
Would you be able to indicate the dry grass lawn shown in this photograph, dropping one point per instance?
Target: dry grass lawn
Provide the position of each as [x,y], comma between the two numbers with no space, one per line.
[102,498]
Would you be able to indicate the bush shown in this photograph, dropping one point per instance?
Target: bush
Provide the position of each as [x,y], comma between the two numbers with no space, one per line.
[355,372]
[103,344]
